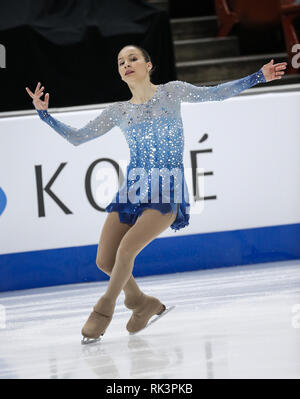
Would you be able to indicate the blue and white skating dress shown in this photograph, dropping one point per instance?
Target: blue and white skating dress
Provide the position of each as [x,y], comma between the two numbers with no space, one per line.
[154,133]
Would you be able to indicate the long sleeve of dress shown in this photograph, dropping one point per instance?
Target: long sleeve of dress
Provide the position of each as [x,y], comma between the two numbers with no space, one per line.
[97,127]
[190,93]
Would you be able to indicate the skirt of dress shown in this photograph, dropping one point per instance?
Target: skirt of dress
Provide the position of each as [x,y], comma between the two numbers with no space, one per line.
[129,210]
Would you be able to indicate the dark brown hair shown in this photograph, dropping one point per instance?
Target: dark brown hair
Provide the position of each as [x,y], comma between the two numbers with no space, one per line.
[145,54]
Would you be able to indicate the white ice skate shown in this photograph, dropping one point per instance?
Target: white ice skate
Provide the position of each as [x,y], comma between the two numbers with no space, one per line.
[154,319]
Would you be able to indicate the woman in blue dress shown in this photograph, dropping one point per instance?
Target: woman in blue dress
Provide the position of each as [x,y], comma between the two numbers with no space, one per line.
[154,194]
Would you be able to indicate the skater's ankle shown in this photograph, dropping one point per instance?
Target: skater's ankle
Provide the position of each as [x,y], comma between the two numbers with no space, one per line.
[108,299]
[105,302]
[131,301]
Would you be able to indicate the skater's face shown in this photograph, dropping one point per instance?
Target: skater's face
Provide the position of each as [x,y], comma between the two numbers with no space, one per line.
[132,65]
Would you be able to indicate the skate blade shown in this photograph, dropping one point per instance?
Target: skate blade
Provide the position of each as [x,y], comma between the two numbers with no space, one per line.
[87,341]
[154,319]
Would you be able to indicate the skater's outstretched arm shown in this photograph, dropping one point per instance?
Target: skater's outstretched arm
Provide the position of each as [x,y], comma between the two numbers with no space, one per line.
[93,129]
[190,93]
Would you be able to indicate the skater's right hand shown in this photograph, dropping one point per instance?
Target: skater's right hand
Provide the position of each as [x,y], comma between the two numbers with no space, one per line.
[37,102]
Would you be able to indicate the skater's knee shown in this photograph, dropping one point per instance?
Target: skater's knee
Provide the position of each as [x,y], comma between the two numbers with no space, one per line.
[106,267]
[125,254]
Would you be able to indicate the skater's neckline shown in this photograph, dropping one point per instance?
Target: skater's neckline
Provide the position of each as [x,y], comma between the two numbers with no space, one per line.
[154,95]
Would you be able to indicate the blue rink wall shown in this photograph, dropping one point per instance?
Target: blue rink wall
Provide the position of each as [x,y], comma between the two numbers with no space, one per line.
[163,255]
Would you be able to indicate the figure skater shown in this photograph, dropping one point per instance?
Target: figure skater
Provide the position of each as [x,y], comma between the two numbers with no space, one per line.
[152,125]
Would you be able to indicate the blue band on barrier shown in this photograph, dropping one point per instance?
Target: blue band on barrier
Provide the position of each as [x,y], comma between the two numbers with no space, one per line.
[163,255]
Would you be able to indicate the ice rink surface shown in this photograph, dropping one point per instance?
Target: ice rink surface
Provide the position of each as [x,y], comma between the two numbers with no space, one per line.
[233,322]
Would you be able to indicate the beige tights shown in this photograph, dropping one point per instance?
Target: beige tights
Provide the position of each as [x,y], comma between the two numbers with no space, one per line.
[120,243]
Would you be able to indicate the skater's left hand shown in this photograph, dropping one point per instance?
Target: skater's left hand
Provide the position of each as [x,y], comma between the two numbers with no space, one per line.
[273,71]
